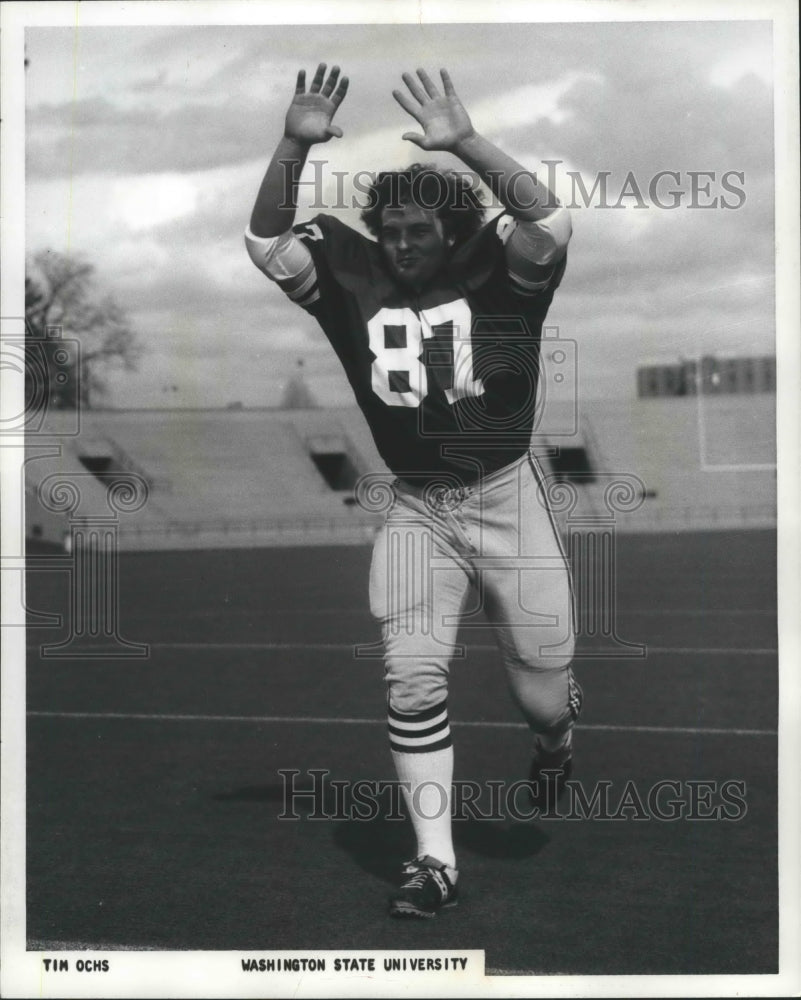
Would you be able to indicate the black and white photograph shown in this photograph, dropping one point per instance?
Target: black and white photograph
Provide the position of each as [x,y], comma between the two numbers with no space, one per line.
[399,445]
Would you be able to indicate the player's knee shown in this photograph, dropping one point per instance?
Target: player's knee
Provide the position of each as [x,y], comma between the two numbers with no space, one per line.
[544,647]
[551,700]
[413,691]
[413,702]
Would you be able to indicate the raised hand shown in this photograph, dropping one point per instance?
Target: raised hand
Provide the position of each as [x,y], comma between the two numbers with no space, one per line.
[308,119]
[442,116]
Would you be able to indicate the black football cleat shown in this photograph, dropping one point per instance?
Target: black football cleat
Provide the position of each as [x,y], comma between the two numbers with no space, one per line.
[427,886]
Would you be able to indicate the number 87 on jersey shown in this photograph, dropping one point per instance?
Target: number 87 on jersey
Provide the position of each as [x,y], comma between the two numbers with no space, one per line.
[411,348]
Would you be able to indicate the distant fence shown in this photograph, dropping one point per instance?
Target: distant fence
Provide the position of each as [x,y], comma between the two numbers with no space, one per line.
[361,529]
[700,516]
[218,533]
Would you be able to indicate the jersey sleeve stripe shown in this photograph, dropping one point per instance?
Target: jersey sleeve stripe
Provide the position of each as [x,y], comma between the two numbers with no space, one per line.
[298,285]
[533,249]
[306,295]
[279,257]
[525,284]
[287,262]
[310,299]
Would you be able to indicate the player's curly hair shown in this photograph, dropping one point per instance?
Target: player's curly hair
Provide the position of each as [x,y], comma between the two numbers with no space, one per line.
[451,194]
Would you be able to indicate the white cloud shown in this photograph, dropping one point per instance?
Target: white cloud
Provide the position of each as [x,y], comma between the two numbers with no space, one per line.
[753,59]
[524,105]
[148,200]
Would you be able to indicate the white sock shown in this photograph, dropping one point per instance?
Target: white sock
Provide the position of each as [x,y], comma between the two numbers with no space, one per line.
[429,777]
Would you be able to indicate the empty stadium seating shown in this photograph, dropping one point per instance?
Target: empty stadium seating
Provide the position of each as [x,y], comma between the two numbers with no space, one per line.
[245,477]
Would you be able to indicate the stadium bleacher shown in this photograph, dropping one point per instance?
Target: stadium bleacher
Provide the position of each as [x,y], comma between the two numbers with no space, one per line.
[704,461]
[251,476]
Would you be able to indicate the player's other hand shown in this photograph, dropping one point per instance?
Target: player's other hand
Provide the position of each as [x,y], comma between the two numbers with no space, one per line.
[442,116]
[308,119]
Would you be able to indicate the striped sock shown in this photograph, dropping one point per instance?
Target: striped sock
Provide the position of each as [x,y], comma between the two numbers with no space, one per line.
[423,755]
[419,732]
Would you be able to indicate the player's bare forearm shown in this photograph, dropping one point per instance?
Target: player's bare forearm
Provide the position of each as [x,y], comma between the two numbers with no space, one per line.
[447,126]
[308,121]
[277,200]
[520,191]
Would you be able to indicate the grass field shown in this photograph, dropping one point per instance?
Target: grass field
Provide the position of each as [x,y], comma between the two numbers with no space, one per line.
[154,789]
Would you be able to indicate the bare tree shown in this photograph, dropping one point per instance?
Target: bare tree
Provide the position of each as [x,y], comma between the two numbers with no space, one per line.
[61,294]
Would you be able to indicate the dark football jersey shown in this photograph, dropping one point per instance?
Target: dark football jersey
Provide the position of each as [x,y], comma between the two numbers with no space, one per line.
[447,378]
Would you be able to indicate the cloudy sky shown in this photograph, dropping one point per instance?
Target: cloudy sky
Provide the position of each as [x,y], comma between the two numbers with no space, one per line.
[145,147]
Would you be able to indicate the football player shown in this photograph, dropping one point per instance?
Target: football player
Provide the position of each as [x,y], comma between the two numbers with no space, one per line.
[437,321]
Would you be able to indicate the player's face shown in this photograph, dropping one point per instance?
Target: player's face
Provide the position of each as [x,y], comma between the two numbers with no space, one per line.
[414,244]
